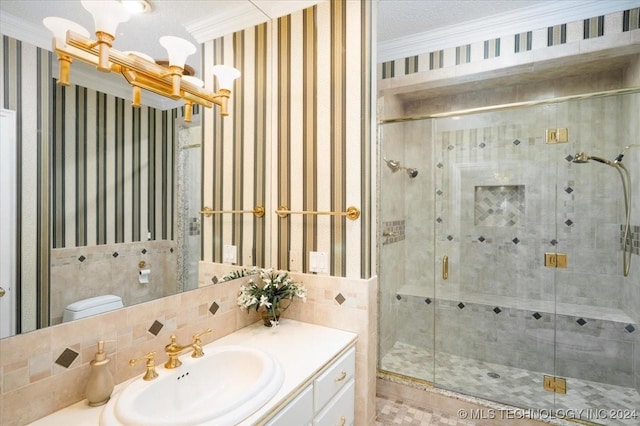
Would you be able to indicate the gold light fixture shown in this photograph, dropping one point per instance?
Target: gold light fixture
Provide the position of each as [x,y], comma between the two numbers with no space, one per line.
[71,41]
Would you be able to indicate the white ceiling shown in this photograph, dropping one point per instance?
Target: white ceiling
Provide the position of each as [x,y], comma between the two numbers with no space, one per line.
[403,26]
[202,20]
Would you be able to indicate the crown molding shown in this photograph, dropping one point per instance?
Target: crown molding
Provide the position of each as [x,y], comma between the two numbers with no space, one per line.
[544,15]
[37,35]
[245,15]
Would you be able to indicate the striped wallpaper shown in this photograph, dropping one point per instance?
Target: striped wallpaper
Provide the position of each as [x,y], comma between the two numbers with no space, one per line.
[299,136]
[25,88]
[112,170]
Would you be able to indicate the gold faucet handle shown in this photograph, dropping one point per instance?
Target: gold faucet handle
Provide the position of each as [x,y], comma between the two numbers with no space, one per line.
[151,365]
[197,336]
[197,343]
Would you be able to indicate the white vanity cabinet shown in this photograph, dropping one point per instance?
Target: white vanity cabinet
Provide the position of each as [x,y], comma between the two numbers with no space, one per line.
[328,401]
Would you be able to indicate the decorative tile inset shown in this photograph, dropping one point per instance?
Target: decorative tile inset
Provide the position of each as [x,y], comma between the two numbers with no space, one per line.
[449,237]
[340,298]
[393,231]
[397,297]
[569,158]
[67,357]
[630,328]
[497,310]
[214,279]
[482,239]
[553,242]
[461,305]
[537,316]
[156,327]
[115,254]
[501,205]
[194,226]
[82,258]
[427,301]
[482,145]
[144,251]
[214,308]
[568,190]
[581,322]
[516,142]
[568,222]
[439,165]
[515,240]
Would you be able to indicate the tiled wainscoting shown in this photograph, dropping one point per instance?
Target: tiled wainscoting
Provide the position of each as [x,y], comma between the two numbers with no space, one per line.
[46,370]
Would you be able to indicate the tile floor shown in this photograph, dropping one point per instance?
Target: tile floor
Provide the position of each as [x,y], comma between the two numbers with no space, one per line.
[513,386]
[391,412]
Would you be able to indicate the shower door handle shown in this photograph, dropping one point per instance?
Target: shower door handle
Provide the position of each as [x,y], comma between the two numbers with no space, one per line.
[445,267]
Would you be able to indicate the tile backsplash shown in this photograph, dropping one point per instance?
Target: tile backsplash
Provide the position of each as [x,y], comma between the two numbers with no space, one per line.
[46,370]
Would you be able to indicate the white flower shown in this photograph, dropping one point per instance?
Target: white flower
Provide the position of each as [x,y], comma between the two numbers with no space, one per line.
[264,301]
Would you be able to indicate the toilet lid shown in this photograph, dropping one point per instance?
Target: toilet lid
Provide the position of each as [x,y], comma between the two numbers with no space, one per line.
[92,302]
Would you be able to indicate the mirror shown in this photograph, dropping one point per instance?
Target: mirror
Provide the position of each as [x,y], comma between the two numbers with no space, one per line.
[103,188]
[67,233]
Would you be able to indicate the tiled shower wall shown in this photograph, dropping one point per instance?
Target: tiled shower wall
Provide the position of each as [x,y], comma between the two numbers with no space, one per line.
[491,161]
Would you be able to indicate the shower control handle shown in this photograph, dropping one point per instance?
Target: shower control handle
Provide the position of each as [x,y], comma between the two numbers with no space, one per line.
[445,267]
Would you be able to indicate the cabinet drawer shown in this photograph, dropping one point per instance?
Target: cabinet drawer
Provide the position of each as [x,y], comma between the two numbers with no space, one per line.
[332,380]
[340,410]
[297,412]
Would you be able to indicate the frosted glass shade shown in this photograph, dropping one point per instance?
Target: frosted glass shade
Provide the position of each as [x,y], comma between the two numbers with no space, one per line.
[225,75]
[107,14]
[60,26]
[193,80]
[178,50]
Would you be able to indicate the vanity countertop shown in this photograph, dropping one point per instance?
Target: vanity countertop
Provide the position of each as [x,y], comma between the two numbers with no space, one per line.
[302,349]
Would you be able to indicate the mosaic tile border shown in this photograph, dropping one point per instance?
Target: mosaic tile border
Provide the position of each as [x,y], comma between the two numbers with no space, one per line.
[393,231]
[635,238]
[590,28]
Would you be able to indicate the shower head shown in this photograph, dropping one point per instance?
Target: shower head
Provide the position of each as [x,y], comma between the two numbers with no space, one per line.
[393,164]
[581,158]
[412,172]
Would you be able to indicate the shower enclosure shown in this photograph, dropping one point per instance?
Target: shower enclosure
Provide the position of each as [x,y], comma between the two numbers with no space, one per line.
[501,267]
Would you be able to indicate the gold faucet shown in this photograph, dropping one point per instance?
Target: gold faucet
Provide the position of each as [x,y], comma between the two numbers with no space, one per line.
[174,350]
[151,366]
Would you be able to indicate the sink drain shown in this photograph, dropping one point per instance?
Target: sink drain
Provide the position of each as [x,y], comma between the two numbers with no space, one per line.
[493,375]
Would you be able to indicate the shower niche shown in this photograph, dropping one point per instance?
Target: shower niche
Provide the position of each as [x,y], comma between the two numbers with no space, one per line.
[498,205]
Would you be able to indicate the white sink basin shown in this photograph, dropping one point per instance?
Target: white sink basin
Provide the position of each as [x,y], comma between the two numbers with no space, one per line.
[226,385]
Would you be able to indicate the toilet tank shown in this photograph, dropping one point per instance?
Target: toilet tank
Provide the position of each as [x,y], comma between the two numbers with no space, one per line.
[91,306]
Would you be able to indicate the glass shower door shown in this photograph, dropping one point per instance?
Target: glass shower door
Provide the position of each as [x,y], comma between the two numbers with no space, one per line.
[495,204]
[597,356]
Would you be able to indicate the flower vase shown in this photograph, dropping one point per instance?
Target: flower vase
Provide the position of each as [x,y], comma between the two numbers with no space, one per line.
[270,317]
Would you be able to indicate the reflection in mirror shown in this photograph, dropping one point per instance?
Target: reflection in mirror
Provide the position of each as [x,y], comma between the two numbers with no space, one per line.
[116,176]
[108,174]
[188,191]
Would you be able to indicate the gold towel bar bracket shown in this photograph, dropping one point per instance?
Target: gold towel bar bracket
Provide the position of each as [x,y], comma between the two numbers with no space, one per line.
[352,213]
[207,211]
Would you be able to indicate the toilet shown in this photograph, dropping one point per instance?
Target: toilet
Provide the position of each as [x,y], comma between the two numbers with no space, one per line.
[91,306]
